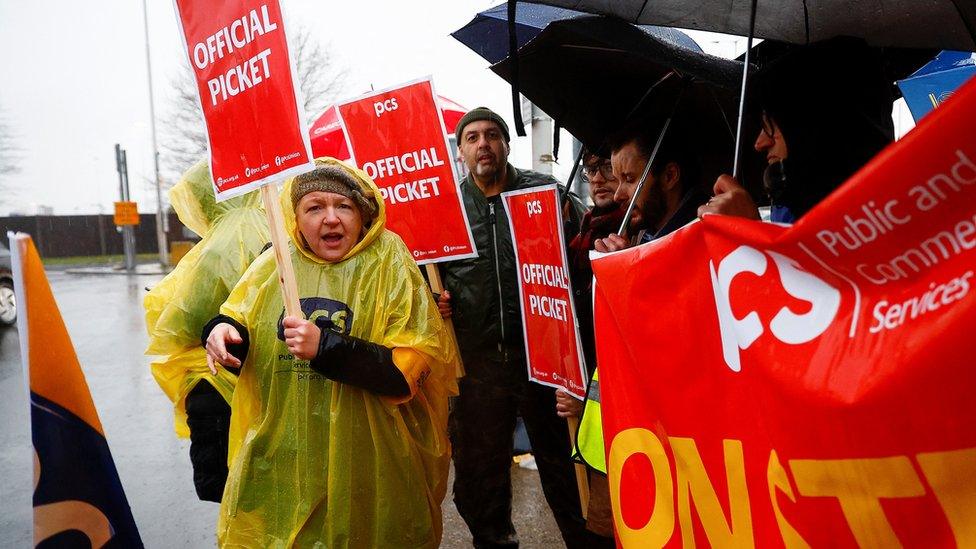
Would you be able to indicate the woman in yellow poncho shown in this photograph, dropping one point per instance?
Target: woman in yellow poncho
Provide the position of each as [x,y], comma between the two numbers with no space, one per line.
[339,429]
[233,233]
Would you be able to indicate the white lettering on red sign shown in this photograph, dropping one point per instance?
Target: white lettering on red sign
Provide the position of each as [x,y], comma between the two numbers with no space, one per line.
[413,190]
[238,34]
[405,163]
[381,107]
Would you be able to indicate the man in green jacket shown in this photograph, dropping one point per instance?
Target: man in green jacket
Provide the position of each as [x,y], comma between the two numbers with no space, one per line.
[482,297]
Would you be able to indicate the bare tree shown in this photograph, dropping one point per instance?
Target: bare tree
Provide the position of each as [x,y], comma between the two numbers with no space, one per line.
[9,156]
[182,134]
[321,78]
[183,137]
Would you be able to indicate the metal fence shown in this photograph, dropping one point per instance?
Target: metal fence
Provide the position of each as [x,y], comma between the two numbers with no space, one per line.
[89,235]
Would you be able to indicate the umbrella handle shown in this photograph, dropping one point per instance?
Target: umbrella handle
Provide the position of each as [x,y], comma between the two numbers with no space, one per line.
[742,94]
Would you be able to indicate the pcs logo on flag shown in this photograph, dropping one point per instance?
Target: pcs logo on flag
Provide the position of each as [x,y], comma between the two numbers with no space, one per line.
[788,327]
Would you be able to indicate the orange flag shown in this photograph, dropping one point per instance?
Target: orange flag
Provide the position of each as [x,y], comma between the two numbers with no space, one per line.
[77,491]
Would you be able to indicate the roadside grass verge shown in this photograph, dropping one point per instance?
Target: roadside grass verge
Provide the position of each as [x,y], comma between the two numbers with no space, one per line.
[94,260]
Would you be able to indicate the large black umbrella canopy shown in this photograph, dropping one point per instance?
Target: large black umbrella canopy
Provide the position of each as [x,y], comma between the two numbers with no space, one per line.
[487,33]
[590,73]
[898,63]
[943,24]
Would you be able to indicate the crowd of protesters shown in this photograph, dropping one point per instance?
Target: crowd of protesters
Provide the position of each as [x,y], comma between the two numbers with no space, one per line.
[354,452]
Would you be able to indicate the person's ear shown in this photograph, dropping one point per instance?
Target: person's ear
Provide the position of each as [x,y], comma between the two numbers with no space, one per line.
[671,178]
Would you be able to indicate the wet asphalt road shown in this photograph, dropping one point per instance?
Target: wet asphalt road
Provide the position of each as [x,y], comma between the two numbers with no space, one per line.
[104,317]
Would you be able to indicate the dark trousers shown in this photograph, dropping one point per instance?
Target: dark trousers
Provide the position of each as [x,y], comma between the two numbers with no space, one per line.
[208,416]
[482,424]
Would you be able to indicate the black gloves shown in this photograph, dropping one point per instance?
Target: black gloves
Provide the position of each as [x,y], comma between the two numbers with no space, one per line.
[357,362]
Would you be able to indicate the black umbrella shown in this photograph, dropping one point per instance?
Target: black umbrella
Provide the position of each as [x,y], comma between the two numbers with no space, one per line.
[595,75]
[946,24]
[898,63]
[591,74]
[941,24]
[487,33]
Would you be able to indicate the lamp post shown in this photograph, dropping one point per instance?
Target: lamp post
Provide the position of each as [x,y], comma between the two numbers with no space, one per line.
[160,217]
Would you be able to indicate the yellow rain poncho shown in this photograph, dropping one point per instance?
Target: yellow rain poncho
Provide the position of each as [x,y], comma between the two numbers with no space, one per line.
[233,233]
[318,463]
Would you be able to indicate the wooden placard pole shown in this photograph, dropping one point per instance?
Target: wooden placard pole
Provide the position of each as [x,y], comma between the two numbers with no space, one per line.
[437,287]
[582,480]
[279,243]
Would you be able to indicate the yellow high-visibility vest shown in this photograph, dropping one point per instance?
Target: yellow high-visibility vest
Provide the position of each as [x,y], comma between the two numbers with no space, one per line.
[589,438]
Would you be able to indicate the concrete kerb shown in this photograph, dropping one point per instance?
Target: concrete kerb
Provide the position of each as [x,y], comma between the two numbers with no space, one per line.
[142,269]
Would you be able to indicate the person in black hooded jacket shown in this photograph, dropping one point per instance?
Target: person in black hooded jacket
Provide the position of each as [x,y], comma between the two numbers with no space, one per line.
[825,112]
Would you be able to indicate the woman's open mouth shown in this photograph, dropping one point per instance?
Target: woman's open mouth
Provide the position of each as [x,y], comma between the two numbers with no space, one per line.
[332,239]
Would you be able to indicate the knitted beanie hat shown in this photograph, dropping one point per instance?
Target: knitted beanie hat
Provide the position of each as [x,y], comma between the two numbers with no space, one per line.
[333,179]
[481,113]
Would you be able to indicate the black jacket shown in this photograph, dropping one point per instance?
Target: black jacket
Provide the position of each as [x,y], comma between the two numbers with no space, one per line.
[484,289]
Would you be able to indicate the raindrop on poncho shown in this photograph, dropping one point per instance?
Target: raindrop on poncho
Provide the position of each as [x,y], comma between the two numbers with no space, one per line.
[318,463]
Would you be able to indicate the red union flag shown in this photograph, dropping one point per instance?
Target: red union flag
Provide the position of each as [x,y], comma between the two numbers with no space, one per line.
[808,385]
[397,137]
[552,344]
[240,59]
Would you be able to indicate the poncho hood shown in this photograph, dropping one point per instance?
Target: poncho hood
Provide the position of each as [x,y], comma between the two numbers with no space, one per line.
[194,202]
[372,233]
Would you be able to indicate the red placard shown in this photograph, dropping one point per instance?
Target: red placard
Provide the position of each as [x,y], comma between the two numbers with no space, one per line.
[397,137]
[248,91]
[809,385]
[552,343]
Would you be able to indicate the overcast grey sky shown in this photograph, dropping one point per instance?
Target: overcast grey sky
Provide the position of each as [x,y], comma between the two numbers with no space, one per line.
[74,82]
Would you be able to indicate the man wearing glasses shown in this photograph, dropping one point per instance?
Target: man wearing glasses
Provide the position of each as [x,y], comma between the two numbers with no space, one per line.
[601,220]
